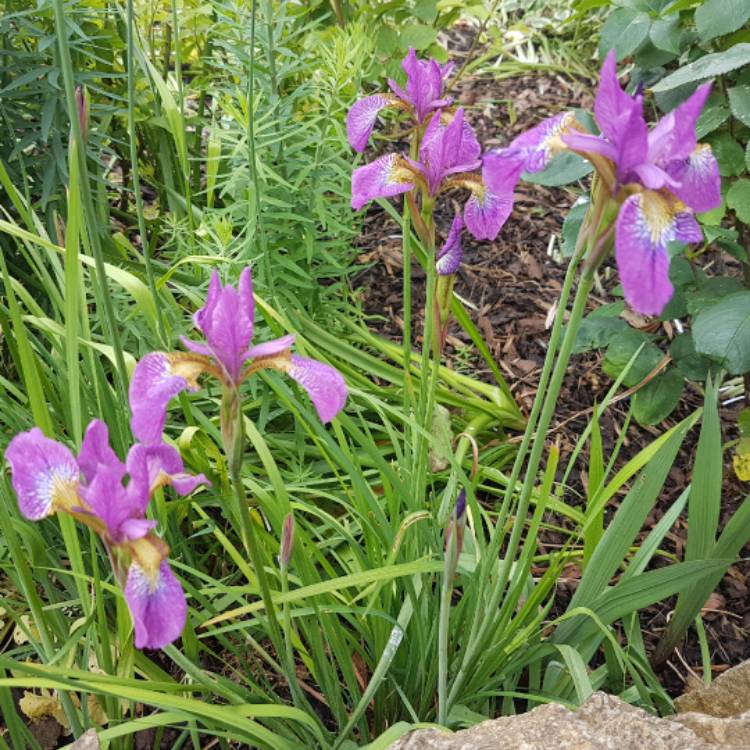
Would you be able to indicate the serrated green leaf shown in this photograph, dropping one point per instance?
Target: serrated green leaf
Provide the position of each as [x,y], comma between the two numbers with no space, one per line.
[624,31]
[715,64]
[729,154]
[718,17]
[738,199]
[739,101]
[722,332]
[710,119]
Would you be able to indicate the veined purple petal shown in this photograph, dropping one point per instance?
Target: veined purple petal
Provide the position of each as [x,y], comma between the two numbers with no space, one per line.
[361,119]
[323,383]
[652,177]
[501,171]
[157,604]
[96,451]
[44,474]
[612,107]
[585,143]
[542,142]
[673,137]
[382,178]
[152,387]
[424,84]
[151,466]
[646,224]
[212,299]
[108,500]
[136,528]
[698,181]
[632,146]
[450,255]
[447,149]
[271,348]
[485,213]
[196,346]
[226,320]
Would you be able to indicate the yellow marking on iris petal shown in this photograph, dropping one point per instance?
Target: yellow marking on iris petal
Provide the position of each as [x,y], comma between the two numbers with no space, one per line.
[148,552]
[658,214]
[65,494]
[190,366]
[554,143]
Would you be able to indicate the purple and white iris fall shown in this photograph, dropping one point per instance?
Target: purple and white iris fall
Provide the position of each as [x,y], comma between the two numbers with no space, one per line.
[659,178]
[48,479]
[449,153]
[226,321]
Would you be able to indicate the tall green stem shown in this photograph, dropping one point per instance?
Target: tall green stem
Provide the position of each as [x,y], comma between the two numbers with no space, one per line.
[430,361]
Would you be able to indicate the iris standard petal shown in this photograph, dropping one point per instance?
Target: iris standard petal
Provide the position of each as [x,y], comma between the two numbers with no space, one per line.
[612,106]
[323,383]
[157,604]
[108,501]
[44,474]
[387,176]
[698,181]
[96,451]
[361,119]
[448,149]
[450,255]
[153,385]
[645,226]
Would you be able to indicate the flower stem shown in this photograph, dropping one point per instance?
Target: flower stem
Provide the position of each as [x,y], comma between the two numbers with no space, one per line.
[430,360]
[249,538]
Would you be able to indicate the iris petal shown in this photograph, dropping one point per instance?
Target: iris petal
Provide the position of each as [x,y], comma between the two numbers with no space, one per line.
[698,180]
[381,178]
[157,604]
[153,385]
[485,213]
[361,119]
[450,255]
[323,383]
[96,451]
[44,474]
[646,224]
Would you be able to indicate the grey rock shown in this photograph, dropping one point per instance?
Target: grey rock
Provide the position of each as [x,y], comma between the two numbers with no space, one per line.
[603,722]
[733,731]
[727,695]
[87,741]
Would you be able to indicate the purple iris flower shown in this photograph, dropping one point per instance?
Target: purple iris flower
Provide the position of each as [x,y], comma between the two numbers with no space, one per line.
[449,152]
[422,96]
[659,178]
[48,479]
[226,320]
